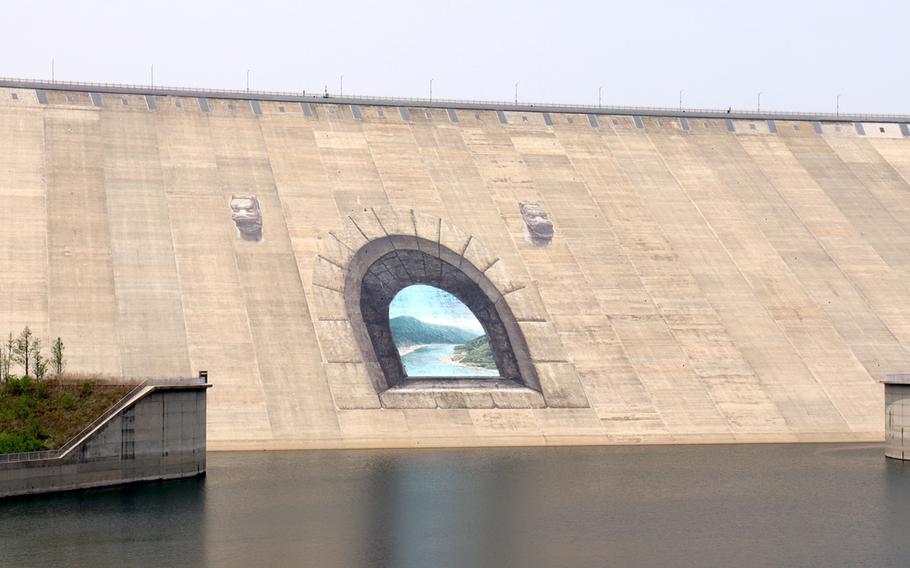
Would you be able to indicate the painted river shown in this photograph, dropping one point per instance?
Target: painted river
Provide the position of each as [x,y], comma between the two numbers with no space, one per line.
[433,361]
[739,506]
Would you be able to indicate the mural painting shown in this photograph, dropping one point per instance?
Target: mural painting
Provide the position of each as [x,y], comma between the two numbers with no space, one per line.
[437,335]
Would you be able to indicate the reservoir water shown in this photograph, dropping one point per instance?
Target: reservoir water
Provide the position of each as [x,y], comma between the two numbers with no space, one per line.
[742,506]
[431,361]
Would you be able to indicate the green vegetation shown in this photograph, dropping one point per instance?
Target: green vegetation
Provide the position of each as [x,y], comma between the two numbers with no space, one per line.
[37,414]
[408,331]
[475,353]
[25,351]
[44,415]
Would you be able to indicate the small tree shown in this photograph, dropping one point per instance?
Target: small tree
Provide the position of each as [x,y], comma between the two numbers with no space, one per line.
[24,349]
[4,363]
[57,359]
[8,355]
[40,362]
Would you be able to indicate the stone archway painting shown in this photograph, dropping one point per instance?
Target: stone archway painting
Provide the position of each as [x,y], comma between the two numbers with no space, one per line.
[378,253]
[438,336]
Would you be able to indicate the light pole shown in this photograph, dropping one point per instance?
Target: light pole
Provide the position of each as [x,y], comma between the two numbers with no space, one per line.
[599,90]
[837,106]
[341,86]
[248,80]
[759,101]
[431,89]
[516,92]
[680,99]
[153,74]
[52,71]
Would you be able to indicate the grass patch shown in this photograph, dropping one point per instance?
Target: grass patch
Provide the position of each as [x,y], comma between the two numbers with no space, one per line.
[44,415]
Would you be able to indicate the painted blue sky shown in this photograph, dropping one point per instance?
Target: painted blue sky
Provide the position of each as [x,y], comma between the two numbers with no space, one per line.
[433,305]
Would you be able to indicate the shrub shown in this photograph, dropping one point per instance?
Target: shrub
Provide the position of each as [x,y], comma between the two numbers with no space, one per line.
[20,442]
[68,401]
[19,386]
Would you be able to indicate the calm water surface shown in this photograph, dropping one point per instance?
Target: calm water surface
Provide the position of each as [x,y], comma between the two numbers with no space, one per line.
[429,361]
[743,506]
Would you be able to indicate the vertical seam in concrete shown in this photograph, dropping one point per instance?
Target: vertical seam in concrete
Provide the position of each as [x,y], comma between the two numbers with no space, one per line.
[311,326]
[644,136]
[170,230]
[827,253]
[733,262]
[850,281]
[838,201]
[47,224]
[206,118]
[611,128]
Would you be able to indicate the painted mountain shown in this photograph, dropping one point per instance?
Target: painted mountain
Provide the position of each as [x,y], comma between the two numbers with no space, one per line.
[408,331]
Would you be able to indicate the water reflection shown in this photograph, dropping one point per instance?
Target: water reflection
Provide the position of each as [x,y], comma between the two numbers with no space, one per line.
[806,505]
[157,524]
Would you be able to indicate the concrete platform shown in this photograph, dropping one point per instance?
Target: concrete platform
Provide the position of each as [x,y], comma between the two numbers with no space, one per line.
[897,416]
[157,431]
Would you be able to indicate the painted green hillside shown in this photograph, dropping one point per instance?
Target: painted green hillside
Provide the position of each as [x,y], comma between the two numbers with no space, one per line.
[476,353]
[408,331]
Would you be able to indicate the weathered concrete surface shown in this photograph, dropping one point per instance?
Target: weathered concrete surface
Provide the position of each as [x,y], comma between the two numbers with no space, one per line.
[897,416]
[702,285]
[156,432]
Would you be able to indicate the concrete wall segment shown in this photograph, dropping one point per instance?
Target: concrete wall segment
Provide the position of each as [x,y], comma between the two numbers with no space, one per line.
[700,283]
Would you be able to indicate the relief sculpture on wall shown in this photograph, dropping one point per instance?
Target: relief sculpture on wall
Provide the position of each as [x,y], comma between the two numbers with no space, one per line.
[538,227]
[247,215]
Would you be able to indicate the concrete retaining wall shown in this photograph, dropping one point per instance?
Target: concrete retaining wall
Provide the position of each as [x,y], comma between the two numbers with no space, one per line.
[159,433]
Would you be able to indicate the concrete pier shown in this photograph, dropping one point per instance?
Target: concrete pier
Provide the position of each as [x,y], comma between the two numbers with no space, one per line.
[156,432]
[897,416]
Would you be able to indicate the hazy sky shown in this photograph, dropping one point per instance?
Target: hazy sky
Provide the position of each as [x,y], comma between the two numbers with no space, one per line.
[800,54]
[433,305]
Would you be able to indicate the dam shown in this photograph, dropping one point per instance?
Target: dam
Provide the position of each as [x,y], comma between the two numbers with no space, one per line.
[642,275]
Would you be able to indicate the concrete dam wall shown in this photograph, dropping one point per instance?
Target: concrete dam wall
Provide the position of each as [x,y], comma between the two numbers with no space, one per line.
[706,279]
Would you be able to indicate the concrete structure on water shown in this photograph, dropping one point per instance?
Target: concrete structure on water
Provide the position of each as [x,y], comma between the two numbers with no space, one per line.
[156,432]
[897,416]
[708,277]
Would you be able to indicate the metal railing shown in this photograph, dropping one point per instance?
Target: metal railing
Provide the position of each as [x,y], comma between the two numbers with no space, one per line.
[479,104]
[52,454]
[114,409]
